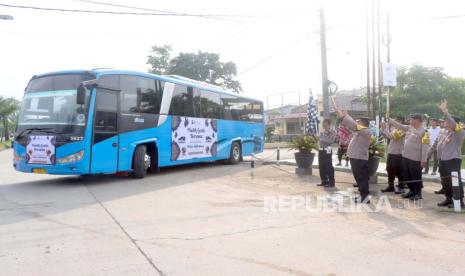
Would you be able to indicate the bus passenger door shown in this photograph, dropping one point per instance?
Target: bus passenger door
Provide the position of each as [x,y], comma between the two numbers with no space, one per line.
[105,141]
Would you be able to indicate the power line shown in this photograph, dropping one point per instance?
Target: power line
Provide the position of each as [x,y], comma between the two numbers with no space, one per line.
[159,13]
[110,12]
[145,9]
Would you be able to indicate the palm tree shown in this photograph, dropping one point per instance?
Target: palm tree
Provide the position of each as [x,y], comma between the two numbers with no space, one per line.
[8,107]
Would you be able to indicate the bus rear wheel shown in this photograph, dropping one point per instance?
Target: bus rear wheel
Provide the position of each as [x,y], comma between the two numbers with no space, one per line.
[141,162]
[235,155]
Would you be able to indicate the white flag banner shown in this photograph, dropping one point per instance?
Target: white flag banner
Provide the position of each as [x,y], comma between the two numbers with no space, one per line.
[389,74]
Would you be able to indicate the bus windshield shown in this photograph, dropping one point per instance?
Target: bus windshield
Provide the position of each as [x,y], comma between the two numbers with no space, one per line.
[51,102]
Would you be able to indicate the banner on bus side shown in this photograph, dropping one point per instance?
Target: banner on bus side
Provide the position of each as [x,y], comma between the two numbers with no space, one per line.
[40,150]
[193,138]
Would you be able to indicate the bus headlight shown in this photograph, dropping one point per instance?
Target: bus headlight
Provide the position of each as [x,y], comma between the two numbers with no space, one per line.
[71,158]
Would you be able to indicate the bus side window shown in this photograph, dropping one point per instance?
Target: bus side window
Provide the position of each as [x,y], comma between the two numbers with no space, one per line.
[228,102]
[182,103]
[210,104]
[140,95]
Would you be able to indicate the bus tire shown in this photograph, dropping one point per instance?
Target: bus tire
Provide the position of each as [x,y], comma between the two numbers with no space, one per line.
[235,155]
[140,168]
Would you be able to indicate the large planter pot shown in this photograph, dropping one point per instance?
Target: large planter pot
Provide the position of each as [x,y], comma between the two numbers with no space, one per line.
[373,164]
[304,160]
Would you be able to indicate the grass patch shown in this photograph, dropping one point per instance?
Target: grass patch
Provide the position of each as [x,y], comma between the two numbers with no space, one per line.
[5,144]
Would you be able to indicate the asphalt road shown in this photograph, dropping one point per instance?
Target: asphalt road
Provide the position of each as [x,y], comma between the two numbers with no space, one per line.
[210,219]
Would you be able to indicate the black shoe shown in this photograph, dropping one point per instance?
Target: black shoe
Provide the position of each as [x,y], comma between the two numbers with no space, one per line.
[445,203]
[408,195]
[363,200]
[400,191]
[388,189]
[433,173]
[339,164]
[416,196]
[355,185]
[322,184]
[330,184]
[424,173]
[440,192]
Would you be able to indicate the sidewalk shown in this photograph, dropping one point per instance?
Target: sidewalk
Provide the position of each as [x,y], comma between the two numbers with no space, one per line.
[380,172]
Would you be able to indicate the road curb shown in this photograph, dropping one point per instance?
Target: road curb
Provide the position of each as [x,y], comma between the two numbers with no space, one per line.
[344,169]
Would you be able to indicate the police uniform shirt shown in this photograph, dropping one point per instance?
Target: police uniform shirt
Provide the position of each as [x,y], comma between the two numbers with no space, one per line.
[449,147]
[358,146]
[416,144]
[327,138]
[397,137]
[437,146]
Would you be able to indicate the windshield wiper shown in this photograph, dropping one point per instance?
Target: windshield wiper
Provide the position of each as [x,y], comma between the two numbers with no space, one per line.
[29,130]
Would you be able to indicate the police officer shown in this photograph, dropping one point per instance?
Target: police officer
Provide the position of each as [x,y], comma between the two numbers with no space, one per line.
[450,159]
[325,153]
[358,151]
[414,154]
[442,135]
[394,158]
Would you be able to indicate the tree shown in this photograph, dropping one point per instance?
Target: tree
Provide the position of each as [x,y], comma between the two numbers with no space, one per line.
[160,59]
[201,66]
[8,107]
[420,89]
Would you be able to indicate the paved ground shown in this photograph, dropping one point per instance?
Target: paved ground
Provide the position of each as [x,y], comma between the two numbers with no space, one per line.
[210,220]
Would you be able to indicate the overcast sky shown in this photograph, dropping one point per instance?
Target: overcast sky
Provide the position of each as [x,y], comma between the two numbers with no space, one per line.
[276,46]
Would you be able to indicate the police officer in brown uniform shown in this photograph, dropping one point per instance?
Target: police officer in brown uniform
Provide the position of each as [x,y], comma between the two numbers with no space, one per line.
[325,155]
[394,159]
[449,148]
[414,154]
[358,151]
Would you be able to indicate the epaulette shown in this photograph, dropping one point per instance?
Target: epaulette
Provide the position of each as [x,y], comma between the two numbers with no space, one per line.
[398,134]
[425,139]
[360,127]
[459,127]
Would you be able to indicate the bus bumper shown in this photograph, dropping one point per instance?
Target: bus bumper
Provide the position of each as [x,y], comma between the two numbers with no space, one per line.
[73,168]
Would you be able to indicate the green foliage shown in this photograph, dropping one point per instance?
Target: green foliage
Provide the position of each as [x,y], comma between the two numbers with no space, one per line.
[201,66]
[304,143]
[269,132]
[160,59]
[420,89]
[376,148]
[8,110]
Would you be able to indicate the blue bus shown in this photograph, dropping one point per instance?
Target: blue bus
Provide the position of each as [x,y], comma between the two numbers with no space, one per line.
[106,121]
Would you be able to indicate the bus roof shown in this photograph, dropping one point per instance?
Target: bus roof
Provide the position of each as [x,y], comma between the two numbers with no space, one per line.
[169,78]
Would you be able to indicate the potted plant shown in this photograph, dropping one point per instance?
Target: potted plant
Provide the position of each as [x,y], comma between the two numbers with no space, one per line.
[376,151]
[304,144]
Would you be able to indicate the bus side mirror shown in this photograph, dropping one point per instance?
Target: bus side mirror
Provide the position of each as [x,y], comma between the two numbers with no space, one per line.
[81,95]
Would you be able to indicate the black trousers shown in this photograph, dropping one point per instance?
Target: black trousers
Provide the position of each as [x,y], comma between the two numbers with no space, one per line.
[361,175]
[394,168]
[341,150]
[325,164]
[445,170]
[412,174]
[433,154]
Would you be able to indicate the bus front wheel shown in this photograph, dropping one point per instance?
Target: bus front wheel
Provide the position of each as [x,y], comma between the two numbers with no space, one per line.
[235,155]
[141,162]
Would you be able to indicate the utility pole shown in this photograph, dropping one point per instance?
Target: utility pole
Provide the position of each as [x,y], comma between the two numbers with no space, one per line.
[368,59]
[388,59]
[324,65]
[380,75]
[373,57]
